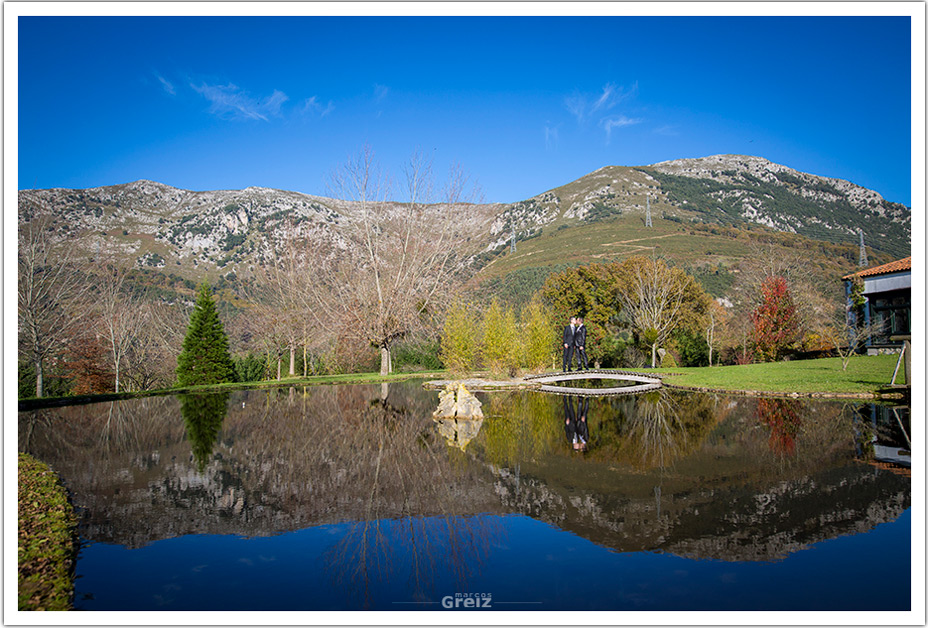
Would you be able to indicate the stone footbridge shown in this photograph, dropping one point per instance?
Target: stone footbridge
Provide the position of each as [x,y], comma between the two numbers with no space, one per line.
[646,382]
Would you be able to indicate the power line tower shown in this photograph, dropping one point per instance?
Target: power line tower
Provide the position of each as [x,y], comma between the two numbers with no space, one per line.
[863,250]
[512,245]
[647,216]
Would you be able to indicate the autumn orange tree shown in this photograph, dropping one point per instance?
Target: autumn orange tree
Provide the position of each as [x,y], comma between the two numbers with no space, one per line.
[776,323]
[782,416]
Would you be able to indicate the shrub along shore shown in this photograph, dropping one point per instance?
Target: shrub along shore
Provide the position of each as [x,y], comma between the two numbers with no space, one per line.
[47,542]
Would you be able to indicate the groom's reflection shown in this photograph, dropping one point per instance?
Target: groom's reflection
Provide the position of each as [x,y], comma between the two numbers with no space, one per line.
[576,426]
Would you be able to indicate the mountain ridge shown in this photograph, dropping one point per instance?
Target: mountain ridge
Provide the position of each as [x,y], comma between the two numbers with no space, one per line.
[155,225]
[722,189]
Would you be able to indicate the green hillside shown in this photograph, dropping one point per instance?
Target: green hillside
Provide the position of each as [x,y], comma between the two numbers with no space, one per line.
[721,202]
[711,252]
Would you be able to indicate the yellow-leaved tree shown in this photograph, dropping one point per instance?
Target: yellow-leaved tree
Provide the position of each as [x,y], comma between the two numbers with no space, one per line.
[460,338]
[501,341]
[539,335]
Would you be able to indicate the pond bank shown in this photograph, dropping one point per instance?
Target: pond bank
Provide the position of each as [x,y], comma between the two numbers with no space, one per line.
[887,394]
[47,539]
[867,377]
[34,403]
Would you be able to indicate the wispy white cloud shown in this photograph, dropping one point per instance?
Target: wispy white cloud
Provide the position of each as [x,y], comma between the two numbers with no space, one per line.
[229,101]
[583,106]
[605,99]
[380,92]
[576,105]
[616,122]
[313,106]
[668,130]
[166,84]
[551,137]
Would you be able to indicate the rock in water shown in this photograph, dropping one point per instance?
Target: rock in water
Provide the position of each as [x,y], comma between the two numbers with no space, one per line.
[446,403]
[467,406]
[460,403]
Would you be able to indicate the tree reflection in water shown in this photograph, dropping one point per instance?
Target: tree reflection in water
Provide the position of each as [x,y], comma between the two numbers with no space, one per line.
[782,417]
[203,415]
[645,431]
[371,463]
[656,430]
[402,464]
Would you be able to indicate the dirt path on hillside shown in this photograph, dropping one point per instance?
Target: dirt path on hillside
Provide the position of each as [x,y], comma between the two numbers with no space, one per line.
[666,235]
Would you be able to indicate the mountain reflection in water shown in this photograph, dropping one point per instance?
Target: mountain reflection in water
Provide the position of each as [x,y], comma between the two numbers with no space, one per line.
[699,476]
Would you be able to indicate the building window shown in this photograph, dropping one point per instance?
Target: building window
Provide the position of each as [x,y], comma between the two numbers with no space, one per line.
[892,311]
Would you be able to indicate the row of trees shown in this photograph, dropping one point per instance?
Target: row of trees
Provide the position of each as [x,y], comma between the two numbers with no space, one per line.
[498,339]
[79,320]
[640,302]
[642,307]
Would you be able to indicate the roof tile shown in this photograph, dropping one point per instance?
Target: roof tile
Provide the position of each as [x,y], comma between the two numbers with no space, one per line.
[892,267]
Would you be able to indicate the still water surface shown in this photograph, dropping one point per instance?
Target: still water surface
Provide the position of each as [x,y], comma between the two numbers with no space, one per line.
[353,497]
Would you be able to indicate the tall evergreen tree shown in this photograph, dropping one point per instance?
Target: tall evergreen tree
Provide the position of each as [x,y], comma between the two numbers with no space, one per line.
[205,357]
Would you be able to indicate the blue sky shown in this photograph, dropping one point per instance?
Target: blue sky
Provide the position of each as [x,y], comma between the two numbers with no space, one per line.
[523,104]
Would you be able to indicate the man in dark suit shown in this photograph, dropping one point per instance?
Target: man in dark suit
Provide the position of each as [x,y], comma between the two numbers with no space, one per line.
[569,340]
[580,344]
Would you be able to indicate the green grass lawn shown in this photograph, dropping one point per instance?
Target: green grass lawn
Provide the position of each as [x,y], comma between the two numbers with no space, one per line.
[864,374]
[47,546]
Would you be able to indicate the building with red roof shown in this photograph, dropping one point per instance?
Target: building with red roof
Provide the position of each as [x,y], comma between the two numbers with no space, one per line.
[887,302]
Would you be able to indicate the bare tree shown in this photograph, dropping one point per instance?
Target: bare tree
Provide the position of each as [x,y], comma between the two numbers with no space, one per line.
[152,358]
[280,287]
[849,337]
[122,317]
[652,298]
[286,316]
[50,287]
[398,258]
